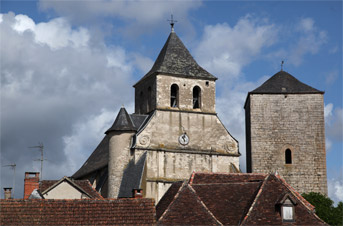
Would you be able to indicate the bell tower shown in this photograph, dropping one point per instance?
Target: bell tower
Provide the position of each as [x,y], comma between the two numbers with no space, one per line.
[175,82]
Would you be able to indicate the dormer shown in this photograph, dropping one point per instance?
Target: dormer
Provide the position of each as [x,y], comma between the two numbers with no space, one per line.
[175,82]
[286,206]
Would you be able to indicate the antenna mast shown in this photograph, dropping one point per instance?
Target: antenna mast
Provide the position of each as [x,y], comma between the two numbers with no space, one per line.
[41,149]
[13,167]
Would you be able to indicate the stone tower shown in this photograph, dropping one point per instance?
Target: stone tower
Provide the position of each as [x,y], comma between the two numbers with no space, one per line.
[174,131]
[285,132]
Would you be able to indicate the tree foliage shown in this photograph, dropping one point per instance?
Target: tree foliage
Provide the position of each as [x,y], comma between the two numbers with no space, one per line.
[325,208]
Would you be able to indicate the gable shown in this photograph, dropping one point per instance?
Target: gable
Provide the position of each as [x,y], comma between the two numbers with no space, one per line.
[266,210]
[187,209]
[64,190]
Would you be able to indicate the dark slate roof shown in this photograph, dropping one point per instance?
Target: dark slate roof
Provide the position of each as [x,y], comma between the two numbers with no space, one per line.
[83,184]
[175,59]
[77,212]
[284,83]
[99,158]
[132,177]
[123,122]
[231,199]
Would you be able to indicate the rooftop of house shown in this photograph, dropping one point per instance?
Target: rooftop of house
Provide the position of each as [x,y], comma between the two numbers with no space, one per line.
[82,185]
[77,212]
[231,199]
[284,83]
[175,59]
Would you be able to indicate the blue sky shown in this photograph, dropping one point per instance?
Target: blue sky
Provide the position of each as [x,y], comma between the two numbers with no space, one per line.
[68,66]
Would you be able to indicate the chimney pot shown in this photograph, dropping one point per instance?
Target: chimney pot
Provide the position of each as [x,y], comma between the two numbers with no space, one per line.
[8,193]
[31,182]
[137,193]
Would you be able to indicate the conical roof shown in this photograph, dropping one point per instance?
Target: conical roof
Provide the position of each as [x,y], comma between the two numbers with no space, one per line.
[123,122]
[284,83]
[175,59]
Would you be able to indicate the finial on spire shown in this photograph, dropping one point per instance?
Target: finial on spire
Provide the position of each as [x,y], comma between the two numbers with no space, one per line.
[172,22]
[282,65]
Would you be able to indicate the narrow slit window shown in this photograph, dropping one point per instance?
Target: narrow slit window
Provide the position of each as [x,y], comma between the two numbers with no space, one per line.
[196,97]
[174,96]
[288,156]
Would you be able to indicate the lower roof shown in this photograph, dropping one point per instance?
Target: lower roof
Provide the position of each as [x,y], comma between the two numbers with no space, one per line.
[77,212]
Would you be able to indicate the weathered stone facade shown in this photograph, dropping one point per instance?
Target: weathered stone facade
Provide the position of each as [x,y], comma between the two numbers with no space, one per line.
[278,122]
[174,131]
[211,148]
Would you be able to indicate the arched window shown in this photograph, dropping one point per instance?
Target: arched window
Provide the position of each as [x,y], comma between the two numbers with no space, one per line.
[196,97]
[288,156]
[174,96]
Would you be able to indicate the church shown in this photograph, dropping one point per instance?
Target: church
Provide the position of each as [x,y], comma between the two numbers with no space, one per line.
[175,131]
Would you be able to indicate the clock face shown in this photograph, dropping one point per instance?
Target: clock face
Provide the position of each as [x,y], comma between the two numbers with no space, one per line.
[183,139]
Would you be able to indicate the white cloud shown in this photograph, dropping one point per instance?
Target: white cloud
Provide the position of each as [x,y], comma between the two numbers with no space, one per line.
[335,189]
[56,33]
[328,110]
[306,24]
[50,86]
[309,42]
[225,49]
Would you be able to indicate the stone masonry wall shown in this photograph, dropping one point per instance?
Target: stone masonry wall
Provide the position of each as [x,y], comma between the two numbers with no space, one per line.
[296,122]
[211,148]
[186,85]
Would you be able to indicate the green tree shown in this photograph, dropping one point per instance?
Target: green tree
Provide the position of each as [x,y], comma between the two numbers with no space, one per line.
[325,208]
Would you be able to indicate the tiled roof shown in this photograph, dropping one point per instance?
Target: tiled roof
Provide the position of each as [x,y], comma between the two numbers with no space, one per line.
[231,199]
[284,83]
[77,212]
[175,59]
[83,184]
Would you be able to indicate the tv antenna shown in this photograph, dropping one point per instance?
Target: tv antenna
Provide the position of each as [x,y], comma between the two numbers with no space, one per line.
[13,168]
[40,146]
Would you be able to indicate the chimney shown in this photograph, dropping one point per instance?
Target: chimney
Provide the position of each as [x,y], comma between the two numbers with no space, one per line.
[31,182]
[8,193]
[137,193]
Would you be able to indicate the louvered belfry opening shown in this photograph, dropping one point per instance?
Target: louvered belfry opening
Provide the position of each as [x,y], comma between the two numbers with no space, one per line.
[196,97]
[174,96]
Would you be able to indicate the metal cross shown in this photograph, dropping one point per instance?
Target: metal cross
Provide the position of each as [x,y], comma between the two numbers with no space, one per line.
[282,65]
[172,22]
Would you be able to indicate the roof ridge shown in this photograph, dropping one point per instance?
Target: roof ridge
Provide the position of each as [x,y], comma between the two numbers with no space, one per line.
[203,204]
[172,202]
[255,200]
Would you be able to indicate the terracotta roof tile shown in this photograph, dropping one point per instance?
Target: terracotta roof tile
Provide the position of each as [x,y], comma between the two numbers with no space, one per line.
[233,199]
[77,212]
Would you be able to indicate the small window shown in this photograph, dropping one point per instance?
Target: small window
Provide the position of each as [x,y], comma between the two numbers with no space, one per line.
[287,211]
[174,96]
[288,156]
[196,97]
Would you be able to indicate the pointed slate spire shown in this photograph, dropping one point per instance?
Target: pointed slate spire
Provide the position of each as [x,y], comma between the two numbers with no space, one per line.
[284,83]
[175,59]
[123,122]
